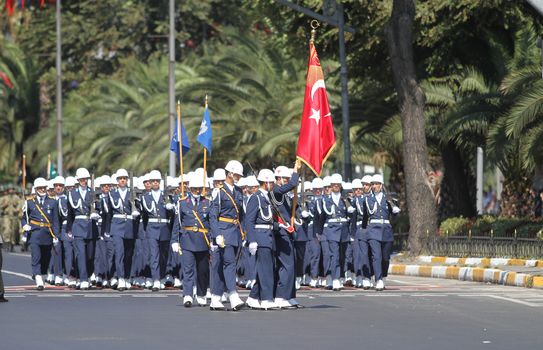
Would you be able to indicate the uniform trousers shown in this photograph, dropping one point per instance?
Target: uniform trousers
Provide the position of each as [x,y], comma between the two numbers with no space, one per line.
[217,273]
[68,255]
[363,267]
[195,269]
[84,253]
[40,256]
[264,281]
[380,257]
[1,280]
[124,249]
[285,281]
[227,258]
[334,249]
[158,257]
[314,250]
[300,247]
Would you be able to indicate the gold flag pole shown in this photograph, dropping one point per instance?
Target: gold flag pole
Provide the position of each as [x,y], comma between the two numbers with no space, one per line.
[205,159]
[180,140]
[48,170]
[24,172]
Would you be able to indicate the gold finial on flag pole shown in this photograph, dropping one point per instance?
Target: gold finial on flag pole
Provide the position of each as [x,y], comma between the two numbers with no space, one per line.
[314,25]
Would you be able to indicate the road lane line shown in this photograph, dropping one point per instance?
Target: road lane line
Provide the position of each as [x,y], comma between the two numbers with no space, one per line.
[18,274]
[522,302]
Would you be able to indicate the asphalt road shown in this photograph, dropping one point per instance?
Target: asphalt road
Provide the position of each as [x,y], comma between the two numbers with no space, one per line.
[413,313]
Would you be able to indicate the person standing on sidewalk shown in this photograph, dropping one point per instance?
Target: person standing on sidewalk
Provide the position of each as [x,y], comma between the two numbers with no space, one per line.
[2,299]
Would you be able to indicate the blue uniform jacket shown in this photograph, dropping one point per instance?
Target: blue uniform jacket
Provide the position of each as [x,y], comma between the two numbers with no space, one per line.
[259,212]
[120,218]
[79,223]
[156,217]
[41,235]
[360,219]
[336,220]
[62,201]
[302,226]
[192,239]
[379,214]
[284,203]
[222,207]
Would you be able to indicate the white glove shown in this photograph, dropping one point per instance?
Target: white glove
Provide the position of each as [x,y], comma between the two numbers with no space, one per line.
[135,214]
[220,241]
[253,246]
[175,247]
[396,210]
[70,235]
[95,216]
[351,210]
[213,247]
[351,239]
[305,214]
[107,235]
[55,241]
[27,228]
[169,206]
[23,238]
[318,237]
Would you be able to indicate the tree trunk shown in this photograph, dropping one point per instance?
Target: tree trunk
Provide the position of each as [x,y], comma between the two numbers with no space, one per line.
[457,197]
[45,104]
[420,199]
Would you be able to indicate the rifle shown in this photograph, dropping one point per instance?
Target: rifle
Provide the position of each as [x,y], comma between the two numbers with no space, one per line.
[166,192]
[93,196]
[275,210]
[132,193]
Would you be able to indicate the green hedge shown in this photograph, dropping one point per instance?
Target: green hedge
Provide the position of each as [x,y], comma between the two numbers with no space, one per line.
[487,225]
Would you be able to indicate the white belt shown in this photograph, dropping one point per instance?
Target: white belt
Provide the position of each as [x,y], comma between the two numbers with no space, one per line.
[123,216]
[266,227]
[82,217]
[358,223]
[159,220]
[379,221]
[338,220]
[64,222]
[310,223]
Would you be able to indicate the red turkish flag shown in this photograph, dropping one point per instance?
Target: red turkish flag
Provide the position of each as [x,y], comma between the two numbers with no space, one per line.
[317,138]
[6,80]
[10,6]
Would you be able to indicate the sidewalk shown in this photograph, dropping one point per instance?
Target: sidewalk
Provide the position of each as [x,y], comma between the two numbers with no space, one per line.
[510,272]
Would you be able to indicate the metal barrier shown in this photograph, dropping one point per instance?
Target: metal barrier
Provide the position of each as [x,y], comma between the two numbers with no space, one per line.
[476,246]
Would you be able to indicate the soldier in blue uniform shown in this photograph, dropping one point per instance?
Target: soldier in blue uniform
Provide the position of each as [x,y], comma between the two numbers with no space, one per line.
[226,218]
[249,261]
[104,264]
[361,248]
[58,186]
[301,237]
[121,216]
[191,236]
[380,235]
[336,228]
[157,214]
[41,226]
[80,225]
[285,289]
[314,213]
[67,238]
[259,222]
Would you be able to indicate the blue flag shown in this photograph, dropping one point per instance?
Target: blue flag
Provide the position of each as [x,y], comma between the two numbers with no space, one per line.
[174,144]
[205,135]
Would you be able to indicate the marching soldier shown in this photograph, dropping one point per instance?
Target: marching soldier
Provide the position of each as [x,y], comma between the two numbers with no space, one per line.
[336,229]
[67,238]
[380,235]
[260,224]
[56,266]
[285,289]
[191,235]
[314,213]
[226,231]
[122,226]
[41,226]
[157,213]
[106,266]
[361,248]
[80,224]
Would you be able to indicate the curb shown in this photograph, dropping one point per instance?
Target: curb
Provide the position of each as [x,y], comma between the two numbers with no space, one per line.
[479,261]
[475,274]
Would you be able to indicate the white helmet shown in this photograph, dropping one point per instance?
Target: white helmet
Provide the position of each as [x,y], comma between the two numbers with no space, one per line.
[308,186]
[82,173]
[336,179]
[70,181]
[186,178]
[98,182]
[40,182]
[50,185]
[326,181]
[114,177]
[317,183]
[219,175]
[366,179]
[266,175]
[196,181]
[357,183]
[154,175]
[145,177]
[242,182]
[251,181]
[347,186]
[377,178]
[106,180]
[282,171]
[122,172]
[58,180]
[235,167]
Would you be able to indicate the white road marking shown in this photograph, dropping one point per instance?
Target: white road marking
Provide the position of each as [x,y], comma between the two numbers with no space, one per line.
[19,254]
[522,302]
[18,274]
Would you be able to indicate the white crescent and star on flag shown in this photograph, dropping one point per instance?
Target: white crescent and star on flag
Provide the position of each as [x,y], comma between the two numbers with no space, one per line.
[203,127]
[316,113]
